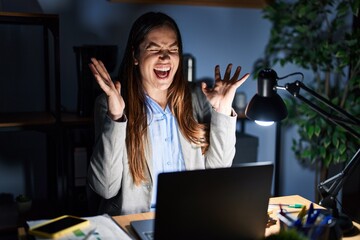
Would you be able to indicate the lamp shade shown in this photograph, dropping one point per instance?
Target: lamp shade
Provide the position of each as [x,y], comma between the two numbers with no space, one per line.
[266,109]
[266,105]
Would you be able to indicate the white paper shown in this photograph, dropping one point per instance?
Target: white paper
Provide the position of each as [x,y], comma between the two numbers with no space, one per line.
[101,227]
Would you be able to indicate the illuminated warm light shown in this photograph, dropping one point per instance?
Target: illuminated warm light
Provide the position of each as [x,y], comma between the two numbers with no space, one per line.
[264,123]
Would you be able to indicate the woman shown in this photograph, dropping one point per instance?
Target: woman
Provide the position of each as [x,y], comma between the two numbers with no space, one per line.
[146,124]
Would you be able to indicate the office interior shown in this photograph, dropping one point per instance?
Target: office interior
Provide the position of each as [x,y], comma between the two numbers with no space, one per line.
[211,35]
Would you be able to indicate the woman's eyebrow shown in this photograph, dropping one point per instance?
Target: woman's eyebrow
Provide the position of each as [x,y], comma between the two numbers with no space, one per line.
[152,44]
[174,44]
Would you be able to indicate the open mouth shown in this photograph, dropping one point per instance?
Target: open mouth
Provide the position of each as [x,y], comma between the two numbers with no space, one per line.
[162,72]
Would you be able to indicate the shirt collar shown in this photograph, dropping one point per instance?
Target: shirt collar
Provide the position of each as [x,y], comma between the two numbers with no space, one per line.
[155,108]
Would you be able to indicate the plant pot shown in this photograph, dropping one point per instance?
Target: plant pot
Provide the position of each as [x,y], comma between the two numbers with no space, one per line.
[24,206]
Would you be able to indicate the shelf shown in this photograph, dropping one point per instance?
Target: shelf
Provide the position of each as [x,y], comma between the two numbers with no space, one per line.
[50,23]
[73,119]
[27,18]
[213,3]
[26,119]
[30,120]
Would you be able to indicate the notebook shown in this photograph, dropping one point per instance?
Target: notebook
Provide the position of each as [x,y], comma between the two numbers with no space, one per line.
[222,203]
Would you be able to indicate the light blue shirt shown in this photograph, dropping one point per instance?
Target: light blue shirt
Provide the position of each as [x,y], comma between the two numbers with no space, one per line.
[166,148]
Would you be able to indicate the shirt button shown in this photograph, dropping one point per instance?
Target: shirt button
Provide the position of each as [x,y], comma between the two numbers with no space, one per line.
[168,163]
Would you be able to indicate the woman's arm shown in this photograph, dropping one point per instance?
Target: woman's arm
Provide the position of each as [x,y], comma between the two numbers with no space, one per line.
[223,118]
[106,163]
[222,136]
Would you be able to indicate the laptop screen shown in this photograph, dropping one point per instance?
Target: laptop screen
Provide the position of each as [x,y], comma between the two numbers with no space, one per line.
[222,203]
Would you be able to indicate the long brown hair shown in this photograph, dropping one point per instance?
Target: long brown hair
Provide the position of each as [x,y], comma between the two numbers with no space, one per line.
[179,96]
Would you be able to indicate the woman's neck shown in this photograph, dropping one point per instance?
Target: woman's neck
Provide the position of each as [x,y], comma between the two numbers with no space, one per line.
[160,97]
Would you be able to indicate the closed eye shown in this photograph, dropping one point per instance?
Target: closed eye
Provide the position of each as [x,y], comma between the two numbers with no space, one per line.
[155,48]
[174,49]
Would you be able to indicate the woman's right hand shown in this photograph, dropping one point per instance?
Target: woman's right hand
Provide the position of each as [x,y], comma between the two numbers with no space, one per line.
[116,104]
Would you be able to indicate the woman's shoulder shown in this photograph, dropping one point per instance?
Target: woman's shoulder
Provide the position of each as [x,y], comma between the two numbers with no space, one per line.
[200,104]
[101,100]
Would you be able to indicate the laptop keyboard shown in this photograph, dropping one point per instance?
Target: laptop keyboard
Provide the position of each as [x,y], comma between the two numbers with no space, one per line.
[149,235]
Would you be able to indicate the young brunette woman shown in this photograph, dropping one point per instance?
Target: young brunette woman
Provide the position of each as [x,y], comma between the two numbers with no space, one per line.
[145,124]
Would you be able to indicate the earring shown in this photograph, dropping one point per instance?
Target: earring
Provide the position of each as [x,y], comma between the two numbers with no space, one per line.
[136,62]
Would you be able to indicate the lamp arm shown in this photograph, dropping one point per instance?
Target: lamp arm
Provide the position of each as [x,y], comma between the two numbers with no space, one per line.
[353,120]
[330,187]
[294,89]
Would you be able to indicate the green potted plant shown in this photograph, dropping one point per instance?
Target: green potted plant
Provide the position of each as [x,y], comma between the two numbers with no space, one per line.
[318,36]
[23,203]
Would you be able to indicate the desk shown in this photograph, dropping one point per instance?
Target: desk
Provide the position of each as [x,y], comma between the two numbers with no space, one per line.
[124,220]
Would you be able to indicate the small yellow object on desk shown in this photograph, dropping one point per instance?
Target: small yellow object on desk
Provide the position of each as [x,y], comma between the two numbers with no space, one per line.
[57,227]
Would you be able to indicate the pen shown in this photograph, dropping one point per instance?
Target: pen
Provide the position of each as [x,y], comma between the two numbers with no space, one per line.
[309,214]
[289,221]
[87,236]
[313,217]
[302,213]
[296,205]
[300,216]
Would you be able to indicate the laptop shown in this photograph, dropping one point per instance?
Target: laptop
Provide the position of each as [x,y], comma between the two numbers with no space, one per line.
[222,203]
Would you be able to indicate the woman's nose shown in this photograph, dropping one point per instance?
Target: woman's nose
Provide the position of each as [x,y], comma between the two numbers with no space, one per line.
[164,54]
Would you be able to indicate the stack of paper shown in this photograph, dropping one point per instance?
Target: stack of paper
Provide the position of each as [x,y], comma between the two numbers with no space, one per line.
[101,227]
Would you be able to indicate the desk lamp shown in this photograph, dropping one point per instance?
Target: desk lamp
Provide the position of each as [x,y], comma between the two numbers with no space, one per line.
[267,106]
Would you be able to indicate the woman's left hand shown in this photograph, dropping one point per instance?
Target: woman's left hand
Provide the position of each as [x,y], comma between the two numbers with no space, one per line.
[222,94]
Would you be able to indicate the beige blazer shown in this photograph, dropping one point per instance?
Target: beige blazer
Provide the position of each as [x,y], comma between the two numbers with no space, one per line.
[109,174]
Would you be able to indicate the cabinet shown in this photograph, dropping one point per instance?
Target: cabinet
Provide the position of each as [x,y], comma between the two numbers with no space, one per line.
[33,107]
[78,140]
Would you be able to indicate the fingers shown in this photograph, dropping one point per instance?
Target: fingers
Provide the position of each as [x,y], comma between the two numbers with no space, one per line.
[204,88]
[118,86]
[106,73]
[100,69]
[203,85]
[228,72]
[239,82]
[102,76]
[227,75]
[217,73]
[93,70]
[236,74]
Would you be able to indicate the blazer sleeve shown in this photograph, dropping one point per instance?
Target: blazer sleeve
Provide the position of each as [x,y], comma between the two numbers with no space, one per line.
[222,135]
[221,150]
[106,163]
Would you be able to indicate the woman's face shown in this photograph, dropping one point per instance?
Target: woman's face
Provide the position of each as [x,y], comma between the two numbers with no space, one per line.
[158,59]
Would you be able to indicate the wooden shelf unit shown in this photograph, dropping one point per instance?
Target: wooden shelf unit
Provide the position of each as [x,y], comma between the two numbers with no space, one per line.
[51,115]
[47,119]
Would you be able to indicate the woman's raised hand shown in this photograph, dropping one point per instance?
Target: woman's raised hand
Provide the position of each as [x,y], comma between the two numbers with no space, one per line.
[222,94]
[116,104]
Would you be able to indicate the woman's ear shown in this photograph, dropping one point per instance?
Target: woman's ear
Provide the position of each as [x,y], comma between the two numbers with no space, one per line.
[136,62]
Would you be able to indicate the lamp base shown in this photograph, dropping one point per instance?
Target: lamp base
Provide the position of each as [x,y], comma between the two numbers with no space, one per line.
[345,224]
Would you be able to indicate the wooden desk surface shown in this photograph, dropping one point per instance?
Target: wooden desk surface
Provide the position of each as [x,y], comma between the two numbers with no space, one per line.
[124,220]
